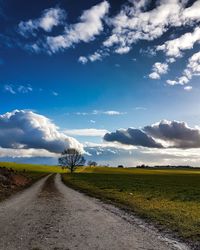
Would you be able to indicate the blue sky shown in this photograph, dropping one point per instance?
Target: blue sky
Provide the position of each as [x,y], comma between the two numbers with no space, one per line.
[97,67]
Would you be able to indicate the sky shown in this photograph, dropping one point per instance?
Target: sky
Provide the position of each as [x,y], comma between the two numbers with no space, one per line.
[117,80]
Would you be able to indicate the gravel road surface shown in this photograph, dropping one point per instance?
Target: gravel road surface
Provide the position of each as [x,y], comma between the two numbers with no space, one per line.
[50,215]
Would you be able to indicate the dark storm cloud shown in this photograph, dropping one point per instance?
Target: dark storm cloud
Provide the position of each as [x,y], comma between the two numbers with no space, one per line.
[179,134]
[132,136]
[172,134]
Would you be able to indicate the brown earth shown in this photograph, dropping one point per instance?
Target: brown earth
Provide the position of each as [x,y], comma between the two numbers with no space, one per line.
[12,181]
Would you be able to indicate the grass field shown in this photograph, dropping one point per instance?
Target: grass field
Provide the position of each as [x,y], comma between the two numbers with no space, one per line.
[32,167]
[169,198]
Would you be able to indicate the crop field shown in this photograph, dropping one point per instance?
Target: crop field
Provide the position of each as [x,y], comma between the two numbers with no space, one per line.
[169,198]
[32,167]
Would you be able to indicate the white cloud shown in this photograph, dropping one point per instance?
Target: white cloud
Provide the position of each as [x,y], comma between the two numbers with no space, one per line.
[95,57]
[115,154]
[23,129]
[54,93]
[9,88]
[24,89]
[192,69]
[106,144]
[148,51]
[154,75]
[81,113]
[50,18]
[86,132]
[102,112]
[171,82]
[158,69]
[191,13]
[21,89]
[174,48]
[188,88]
[113,112]
[83,59]
[122,50]
[90,25]
[171,60]
[26,153]
[134,23]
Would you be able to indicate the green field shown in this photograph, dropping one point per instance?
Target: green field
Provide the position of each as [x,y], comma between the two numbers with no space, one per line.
[32,167]
[169,198]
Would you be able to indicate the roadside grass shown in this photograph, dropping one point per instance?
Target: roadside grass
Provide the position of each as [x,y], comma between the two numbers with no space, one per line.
[32,167]
[169,198]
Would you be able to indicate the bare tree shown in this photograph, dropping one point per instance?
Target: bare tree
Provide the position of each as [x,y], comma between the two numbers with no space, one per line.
[71,159]
[92,163]
[120,166]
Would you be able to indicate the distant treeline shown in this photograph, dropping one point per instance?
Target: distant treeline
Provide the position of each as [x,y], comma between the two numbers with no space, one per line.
[165,166]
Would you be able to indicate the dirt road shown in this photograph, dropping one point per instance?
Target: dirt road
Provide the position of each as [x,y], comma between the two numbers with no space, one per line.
[50,215]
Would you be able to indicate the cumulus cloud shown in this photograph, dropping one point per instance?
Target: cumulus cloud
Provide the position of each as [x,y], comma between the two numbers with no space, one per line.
[89,26]
[92,58]
[192,69]
[175,47]
[177,134]
[158,69]
[171,82]
[23,129]
[171,60]
[132,136]
[122,50]
[138,21]
[83,59]
[135,22]
[96,56]
[164,134]
[50,18]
